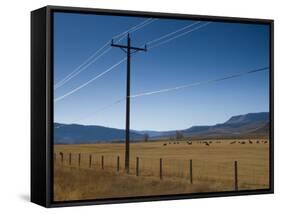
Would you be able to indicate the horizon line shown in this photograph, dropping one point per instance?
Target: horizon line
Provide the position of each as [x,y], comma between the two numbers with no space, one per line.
[68,124]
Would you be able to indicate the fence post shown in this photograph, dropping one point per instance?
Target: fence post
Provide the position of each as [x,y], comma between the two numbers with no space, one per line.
[190,172]
[102,162]
[137,166]
[79,159]
[61,157]
[235,175]
[90,161]
[69,158]
[118,163]
[161,172]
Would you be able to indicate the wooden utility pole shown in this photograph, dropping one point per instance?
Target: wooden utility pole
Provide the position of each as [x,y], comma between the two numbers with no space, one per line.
[128,49]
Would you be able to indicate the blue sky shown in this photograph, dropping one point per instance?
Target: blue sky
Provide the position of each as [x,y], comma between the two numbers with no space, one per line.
[216,50]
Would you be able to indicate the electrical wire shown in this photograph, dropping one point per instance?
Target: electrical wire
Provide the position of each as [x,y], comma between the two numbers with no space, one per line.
[89,81]
[198,83]
[180,35]
[94,57]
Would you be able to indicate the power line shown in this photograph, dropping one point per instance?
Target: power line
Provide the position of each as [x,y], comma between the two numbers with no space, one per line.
[68,78]
[89,81]
[182,34]
[141,25]
[134,28]
[174,32]
[87,65]
[81,65]
[198,83]
[94,57]
[167,90]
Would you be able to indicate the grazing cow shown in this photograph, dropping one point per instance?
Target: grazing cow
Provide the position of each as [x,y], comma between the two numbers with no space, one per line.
[242,142]
[250,142]
[258,141]
[165,144]
[233,142]
[265,141]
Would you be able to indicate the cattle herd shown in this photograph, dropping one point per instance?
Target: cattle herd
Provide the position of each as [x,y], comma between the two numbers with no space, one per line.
[208,143]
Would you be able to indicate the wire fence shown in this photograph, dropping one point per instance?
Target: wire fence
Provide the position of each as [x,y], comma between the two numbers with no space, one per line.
[231,175]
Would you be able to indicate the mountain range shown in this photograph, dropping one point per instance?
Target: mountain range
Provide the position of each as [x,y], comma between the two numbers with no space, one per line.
[251,124]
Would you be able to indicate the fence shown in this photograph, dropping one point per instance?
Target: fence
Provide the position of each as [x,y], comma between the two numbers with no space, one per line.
[230,174]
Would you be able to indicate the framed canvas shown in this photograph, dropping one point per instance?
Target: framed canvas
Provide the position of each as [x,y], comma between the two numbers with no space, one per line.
[142,106]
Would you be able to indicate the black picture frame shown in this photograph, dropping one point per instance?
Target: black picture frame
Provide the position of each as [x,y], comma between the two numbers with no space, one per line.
[42,105]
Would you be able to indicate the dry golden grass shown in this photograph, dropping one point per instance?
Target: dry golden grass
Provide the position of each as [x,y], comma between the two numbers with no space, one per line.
[212,169]
[71,183]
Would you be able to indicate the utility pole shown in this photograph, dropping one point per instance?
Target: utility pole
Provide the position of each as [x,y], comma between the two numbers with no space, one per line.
[128,49]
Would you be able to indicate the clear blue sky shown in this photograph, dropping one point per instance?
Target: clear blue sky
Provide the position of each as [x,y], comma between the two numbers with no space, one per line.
[214,51]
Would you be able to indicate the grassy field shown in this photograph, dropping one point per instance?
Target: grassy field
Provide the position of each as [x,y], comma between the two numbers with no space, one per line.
[212,166]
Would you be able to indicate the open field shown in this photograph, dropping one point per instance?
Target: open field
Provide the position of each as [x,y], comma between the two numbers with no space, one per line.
[79,184]
[99,176]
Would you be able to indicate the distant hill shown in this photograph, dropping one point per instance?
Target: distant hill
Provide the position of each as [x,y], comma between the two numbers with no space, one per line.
[252,124]
[74,133]
[249,118]
[248,124]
